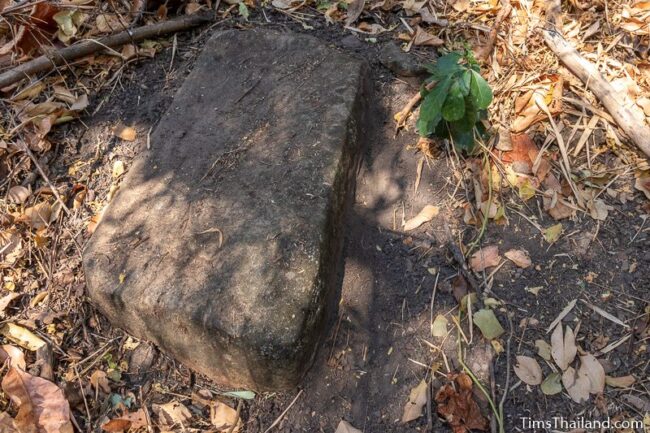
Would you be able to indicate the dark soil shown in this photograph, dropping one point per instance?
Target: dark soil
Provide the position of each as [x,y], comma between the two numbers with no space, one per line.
[376,350]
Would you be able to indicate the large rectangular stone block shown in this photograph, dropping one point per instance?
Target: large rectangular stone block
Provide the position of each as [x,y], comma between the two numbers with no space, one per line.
[228,232]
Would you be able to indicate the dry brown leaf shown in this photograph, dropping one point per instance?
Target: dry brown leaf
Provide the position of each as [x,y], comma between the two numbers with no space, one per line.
[620,382]
[528,370]
[18,194]
[355,8]
[42,407]
[577,385]
[172,414]
[424,38]
[458,407]
[642,182]
[99,381]
[425,215]
[484,258]
[14,354]
[346,427]
[223,417]
[37,216]
[543,349]
[133,420]
[563,347]
[417,399]
[519,258]
[126,133]
[6,300]
[590,367]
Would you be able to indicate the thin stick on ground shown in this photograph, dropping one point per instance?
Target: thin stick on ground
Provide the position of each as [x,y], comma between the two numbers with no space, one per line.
[403,115]
[51,60]
[278,419]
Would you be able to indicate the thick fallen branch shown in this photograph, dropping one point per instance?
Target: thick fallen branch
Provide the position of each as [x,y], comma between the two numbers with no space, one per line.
[634,127]
[56,58]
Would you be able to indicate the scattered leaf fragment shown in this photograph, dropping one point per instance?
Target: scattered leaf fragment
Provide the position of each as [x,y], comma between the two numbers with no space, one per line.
[543,349]
[620,382]
[552,234]
[439,326]
[590,367]
[126,133]
[346,427]
[519,258]
[172,414]
[425,215]
[18,194]
[488,323]
[458,407]
[576,384]
[223,417]
[417,399]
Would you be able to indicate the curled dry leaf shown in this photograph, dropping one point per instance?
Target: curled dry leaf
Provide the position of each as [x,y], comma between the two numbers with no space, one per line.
[563,347]
[577,384]
[223,417]
[42,407]
[620,382]
[417,399]
[423,38]
[11,247]
[6,300]
[346,427]
[22,336]
[519,258]
[99,381]
[14,354]
[590,367]
[528,370]
[18,194]
[458,407]
[425,215]
[484,258]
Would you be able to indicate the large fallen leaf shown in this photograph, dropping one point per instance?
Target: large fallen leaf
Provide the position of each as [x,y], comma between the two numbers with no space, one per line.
[42,407]
[172,414]
[576,384]
[425,215]
[346,427]
[458,407]
[528,370]
[22,336]
[552,384]
[590,367]
[486,257]
[620,382]
[519,258]
[563,347]
[417,399]
[223,417]
[488,323]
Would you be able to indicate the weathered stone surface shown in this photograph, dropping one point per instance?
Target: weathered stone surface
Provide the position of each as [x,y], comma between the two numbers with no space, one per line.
[259,146]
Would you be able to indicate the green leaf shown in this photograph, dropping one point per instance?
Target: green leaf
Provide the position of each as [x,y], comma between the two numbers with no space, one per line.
[465,81]
[480,91]
[552,384]
[488,323]
[243,10]
[454,108]
[433,101]
[445,66]
[246,395]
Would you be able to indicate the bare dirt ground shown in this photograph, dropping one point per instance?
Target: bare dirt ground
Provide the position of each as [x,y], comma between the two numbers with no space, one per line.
[395,284]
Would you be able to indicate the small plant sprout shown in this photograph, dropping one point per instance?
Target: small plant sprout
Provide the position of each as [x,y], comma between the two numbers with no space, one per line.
[456,106]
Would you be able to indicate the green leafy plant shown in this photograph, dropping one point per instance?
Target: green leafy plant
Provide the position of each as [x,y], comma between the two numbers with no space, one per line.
[455,107]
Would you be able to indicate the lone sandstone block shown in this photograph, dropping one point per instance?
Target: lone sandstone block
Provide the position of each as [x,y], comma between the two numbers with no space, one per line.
[224,244]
